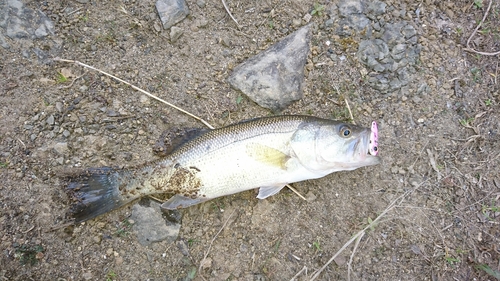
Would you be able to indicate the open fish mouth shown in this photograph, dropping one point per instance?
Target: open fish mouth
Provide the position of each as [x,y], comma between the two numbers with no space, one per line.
[373,142]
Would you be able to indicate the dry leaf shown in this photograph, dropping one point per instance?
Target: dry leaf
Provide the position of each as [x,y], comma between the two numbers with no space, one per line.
[206,263]
[46,80]
[66,72]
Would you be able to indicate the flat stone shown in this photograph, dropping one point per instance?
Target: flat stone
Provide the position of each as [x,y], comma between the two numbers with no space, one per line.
[274,78]
[150,225]
[175,33]
[59,106]
[50,120]
[171,11]
[61,148]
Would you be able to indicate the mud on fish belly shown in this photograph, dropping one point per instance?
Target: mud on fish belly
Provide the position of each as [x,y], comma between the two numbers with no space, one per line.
[184,181]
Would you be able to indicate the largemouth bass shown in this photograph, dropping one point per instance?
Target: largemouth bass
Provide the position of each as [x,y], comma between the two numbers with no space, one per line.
[265,153]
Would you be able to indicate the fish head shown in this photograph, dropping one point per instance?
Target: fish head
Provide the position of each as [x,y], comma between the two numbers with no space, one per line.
[337,147]
[346,147]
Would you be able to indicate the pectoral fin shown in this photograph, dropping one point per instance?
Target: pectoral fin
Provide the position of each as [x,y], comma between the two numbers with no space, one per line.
[266,191]
[267,155]
[178,202]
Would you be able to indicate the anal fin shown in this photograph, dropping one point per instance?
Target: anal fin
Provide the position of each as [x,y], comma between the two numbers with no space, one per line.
[266,191]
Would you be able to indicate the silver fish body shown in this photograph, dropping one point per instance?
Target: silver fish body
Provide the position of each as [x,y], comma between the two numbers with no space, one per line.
[267,153]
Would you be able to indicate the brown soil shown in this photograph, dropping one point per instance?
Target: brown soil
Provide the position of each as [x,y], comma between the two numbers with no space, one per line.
[440,148]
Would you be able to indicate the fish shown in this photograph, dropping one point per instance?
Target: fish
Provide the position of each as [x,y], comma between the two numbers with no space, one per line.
[266,153]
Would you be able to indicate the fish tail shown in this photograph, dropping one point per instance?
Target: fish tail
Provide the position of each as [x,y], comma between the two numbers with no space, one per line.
[97,191]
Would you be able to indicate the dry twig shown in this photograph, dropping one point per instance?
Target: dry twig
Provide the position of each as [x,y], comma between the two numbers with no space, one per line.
[30,229]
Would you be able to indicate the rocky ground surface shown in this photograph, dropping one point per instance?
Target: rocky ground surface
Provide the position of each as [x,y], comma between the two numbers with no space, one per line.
[409,65]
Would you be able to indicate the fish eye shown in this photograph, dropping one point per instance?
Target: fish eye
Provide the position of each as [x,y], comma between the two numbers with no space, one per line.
[345,131]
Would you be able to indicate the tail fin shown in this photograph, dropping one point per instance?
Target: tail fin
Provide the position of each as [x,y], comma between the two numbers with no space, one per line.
[95,192]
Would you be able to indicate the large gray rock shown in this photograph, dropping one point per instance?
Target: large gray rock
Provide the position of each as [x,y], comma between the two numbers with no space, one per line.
[275,77]
[355,16]
[391,57]
[21,22]
[171,11]
[373,53]
[21,28]
[150,225]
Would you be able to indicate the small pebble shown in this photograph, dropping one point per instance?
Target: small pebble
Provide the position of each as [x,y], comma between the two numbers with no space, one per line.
[50,120]
[175,33]
[144,99]
[60,160]
[97,239]
[296,22]
[118,260]
[59,106]
[87,276]
[310,196]
[83,88]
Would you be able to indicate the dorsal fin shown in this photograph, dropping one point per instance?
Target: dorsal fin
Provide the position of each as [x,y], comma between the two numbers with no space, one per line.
[173,138]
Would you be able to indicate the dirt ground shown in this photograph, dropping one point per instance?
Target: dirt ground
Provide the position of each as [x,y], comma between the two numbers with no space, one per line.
[440,147]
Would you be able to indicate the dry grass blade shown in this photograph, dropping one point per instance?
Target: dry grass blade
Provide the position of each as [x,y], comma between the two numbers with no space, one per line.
[299,273]
[349,265]
[296,192]
[138,89]
[227,10]
[346,103]
[350,112]
[211,242]
[469,49]
[360,234]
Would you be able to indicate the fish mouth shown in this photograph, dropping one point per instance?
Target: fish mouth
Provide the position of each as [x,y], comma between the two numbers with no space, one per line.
[373,141]
[366,148]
